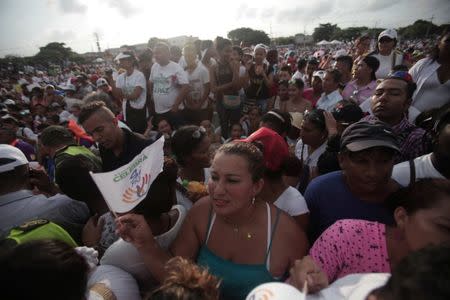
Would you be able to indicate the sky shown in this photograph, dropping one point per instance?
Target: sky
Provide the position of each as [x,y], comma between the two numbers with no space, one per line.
[26,25]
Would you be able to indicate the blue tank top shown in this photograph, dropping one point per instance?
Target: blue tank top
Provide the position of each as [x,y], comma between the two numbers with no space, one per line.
[238,279]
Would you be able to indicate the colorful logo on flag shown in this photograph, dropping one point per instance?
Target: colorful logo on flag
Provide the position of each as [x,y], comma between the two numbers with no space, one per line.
[138,186]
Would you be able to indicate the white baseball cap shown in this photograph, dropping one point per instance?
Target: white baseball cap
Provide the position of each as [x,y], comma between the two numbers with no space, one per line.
[390,33]
[101,82]
[122,55]
[339,53]
[11,157]
[275,291]
[69,87]
[320,74]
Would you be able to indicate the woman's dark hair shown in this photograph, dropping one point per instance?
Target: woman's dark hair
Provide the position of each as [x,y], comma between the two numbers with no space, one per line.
[186,281]
[159,119]
[185,140]
[423,194]
[347,60]
[43,269]
[222,43]
[316,118]
[272,56]
[422,275]
[373,63]
[297,82]
[283,83]
[301,63]
[161,195]
[278,121]
[250,152]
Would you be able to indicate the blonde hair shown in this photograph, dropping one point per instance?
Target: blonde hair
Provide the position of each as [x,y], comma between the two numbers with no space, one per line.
[186,281]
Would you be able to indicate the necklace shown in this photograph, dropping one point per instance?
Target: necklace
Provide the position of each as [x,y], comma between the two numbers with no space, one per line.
[236,227]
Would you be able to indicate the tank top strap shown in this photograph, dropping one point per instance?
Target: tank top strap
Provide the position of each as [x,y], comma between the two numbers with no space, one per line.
[211,220]
[271,233]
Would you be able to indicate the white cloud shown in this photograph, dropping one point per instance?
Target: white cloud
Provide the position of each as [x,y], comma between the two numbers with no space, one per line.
[72,6]
[124,7]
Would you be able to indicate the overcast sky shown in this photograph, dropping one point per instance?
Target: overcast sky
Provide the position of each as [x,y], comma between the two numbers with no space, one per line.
[26,25]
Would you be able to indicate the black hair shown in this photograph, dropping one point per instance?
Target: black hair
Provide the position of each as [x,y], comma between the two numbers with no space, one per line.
[221,43]
[373,63]
[423,194]
[56,135]
[337,76]
[346,59]
[238,50]
[313,61]
[317,118]
[435,51]
[45,269]
[89,109]
[278,121]
[185,140]
[297,82]
[422,275]
[301,63]
[159,119]
[286,69]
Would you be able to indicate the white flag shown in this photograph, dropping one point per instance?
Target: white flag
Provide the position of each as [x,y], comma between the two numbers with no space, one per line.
[128,185]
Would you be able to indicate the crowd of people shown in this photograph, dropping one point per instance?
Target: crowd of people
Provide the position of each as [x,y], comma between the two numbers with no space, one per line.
[327,171]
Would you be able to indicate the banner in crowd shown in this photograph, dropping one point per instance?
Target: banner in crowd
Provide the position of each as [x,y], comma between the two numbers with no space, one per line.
[128,185]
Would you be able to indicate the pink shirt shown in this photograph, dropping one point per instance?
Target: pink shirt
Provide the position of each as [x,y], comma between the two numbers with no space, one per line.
[359,94]
[351,246]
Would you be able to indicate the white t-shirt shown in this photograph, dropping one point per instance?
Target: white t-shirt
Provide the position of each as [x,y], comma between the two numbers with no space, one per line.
[310,160]
[197,79]
[166,80]
[432,94]
[386,64]
[292,202]
[106,280]
[27,132]
[128,83]
[424,169]
[125,256]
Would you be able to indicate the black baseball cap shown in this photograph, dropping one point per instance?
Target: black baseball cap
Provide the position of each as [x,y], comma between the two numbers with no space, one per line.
[363,135]
[347,112]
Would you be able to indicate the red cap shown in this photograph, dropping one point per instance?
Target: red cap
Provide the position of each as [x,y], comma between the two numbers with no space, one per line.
[275,147]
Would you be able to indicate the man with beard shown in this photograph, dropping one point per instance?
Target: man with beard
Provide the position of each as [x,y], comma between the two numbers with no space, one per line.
[390,104]
[431,165]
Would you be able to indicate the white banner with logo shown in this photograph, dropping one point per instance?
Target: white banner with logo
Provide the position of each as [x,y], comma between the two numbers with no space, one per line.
[128,185]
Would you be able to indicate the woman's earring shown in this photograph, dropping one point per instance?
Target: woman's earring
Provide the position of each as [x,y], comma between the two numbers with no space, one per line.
[253,200]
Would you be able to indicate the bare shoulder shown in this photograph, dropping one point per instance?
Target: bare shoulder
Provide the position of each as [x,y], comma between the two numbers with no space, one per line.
[288,232]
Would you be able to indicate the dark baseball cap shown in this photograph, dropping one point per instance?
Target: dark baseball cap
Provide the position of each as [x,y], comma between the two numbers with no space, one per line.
[55,135]
[347,112]
[363,135]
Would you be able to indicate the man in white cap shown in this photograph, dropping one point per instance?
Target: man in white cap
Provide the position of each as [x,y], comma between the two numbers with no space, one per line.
[19,204]
[131,88]
[386,53]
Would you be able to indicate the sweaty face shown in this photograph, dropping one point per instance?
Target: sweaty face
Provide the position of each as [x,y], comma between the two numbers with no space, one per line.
[231,187]
[429,226]
[102,128]
[390,100]
[368,170]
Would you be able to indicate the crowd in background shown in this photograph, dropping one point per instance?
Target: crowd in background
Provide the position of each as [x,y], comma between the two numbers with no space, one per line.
[320,167]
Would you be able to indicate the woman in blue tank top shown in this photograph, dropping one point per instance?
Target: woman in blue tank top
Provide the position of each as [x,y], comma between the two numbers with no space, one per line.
[241,241]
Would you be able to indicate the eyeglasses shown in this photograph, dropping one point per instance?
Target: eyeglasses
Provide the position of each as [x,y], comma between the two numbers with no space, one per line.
[385,40]
[198,133]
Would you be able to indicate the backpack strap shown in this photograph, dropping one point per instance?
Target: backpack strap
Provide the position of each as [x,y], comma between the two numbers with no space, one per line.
[412,172]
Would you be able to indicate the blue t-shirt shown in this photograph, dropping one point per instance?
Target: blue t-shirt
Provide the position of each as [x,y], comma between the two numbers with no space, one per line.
[329,200]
